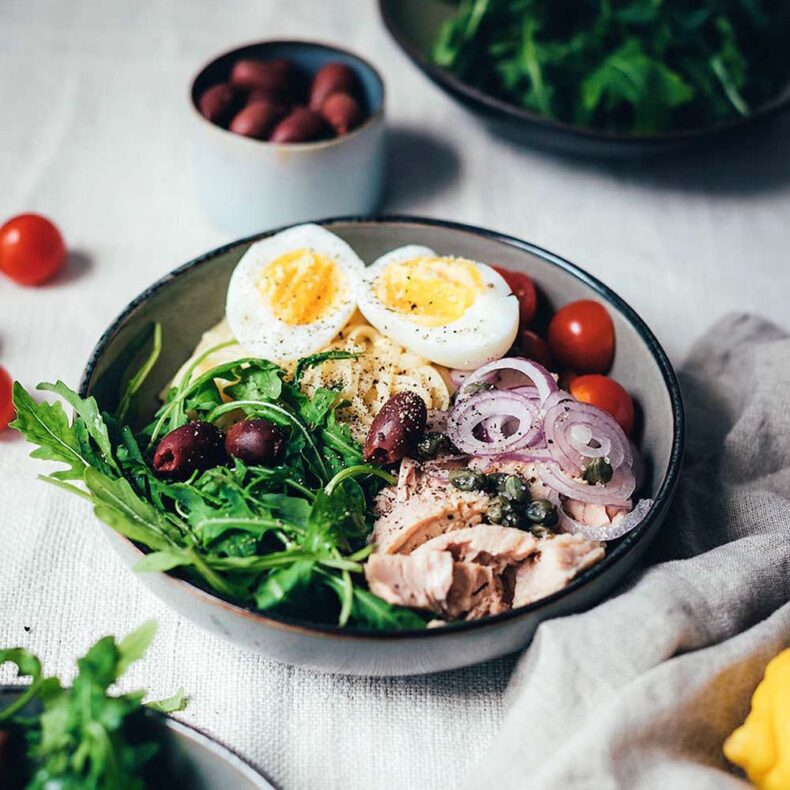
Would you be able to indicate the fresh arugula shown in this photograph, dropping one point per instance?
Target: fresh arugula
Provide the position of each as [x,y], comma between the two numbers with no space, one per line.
[641,66]
[289,539]
[82,737]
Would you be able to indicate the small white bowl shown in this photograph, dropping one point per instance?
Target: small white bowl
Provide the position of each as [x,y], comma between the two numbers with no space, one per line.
[246,185]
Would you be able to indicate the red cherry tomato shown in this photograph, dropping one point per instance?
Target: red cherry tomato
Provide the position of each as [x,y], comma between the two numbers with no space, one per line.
[533,346]
[606,394]
[31,249]
[581,337]
[6,404]
[524,290]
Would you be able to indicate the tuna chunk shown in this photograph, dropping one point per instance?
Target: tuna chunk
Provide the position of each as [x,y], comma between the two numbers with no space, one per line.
[486,544]
[435,582]
[421,507]
[593,515]
[559,560]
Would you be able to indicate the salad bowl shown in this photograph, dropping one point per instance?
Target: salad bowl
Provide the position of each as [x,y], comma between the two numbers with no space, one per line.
[191,299]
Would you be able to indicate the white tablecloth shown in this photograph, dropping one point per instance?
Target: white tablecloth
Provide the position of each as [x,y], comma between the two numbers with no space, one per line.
[93,116]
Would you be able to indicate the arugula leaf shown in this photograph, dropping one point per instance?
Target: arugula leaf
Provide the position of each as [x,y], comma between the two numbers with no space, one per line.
[174,704]
[47,425]
[318,359]
[279,586]
[142,374]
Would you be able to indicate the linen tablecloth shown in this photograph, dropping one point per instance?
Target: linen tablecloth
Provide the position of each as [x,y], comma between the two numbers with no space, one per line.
[93,112]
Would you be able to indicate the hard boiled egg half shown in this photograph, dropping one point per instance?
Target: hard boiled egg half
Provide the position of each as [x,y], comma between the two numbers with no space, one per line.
[292,293]
[452,311]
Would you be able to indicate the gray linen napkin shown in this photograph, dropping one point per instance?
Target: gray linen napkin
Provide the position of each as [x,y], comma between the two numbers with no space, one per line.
[641,691]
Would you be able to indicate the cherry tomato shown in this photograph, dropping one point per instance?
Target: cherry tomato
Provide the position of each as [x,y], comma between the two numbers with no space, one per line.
[533,346]
[31,249]
[606,394]
[524,290]
[581,337]
[6,404]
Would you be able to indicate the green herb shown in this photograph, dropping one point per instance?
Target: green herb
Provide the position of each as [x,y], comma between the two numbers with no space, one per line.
[81,737]
[643,66]
[288,539]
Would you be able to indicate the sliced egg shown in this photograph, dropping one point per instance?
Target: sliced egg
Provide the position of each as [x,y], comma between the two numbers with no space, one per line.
[290,294]
[453,311]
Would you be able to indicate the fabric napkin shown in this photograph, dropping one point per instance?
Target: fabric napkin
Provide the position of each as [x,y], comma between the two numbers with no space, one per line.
[641,691]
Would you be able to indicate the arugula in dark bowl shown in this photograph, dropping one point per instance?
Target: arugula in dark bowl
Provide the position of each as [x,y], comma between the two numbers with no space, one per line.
[287,538]
[82,737]
[642,67]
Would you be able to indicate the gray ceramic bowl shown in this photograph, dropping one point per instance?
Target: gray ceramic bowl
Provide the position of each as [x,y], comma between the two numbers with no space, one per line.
[201,762]
[191,299]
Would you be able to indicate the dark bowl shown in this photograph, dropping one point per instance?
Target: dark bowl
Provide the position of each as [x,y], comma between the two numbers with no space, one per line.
[414,25]
[191,299]
[200,761]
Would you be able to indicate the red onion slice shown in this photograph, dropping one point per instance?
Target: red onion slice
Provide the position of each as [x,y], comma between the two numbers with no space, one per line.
[617,492]
[578,432]
[486,410]
[541,379]
[611,532]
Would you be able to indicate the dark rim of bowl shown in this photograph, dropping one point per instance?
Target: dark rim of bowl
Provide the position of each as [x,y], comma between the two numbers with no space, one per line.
[375,115]
[626,544]
[492,106]
[190,730]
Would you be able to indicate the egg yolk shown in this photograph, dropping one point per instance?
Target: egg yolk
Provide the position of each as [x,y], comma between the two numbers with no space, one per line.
[430,291]
[301,287]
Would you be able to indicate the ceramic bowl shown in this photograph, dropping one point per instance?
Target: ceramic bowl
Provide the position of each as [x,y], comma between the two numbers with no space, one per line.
[191,299]
[414,24]
[244,184]
[200,761]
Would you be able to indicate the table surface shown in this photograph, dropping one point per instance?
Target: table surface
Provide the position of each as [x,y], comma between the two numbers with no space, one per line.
[94,121]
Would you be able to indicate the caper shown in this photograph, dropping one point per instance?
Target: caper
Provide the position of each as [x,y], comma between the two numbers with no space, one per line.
[599,470]
[431,444]
[477,387]
[540,531]
[542,512]
[516,489]
[496,482]
[467,480]
[501,511]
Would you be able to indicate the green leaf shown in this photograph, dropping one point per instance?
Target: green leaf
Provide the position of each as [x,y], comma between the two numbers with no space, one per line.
[139,378]
[278,586]
[117,505]
[262,381]
[47,425]
[134,646]
[161,562]
[174,704]
[88,411]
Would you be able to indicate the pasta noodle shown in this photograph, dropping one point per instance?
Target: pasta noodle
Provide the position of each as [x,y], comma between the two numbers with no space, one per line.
[366,382]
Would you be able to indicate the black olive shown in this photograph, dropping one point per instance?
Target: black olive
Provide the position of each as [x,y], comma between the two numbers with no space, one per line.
[396,429]
[193,447]
[256,442]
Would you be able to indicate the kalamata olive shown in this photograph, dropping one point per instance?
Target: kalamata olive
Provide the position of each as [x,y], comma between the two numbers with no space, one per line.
[332,78]
[275,75]
[256,442]
[300,126]
[218,103]
[268,96]
[195,446]
[342,112]
[396,429]
[256,120]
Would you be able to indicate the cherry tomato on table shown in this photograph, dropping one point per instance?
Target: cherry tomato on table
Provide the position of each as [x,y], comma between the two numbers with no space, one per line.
[581,337]
[606,394]
[31,249]
[524,290]
[6,404]
[533,346]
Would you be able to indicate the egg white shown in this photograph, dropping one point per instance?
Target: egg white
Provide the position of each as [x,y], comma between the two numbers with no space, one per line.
[251,318]
[484,332]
